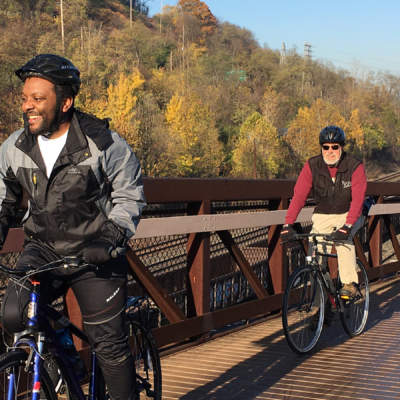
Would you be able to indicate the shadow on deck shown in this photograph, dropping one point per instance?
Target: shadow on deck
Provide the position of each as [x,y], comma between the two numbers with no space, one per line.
[256,362]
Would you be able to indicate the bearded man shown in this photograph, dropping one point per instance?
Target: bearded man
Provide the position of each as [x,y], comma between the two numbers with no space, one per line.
[85,197]
[338,184]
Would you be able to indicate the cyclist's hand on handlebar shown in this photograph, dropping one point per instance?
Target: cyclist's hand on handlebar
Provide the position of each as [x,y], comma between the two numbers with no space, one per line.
[342,233]
[109,245]
[97,252]
[288,233]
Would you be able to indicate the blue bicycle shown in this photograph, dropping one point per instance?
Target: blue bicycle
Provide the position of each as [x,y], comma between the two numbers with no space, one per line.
[42,364]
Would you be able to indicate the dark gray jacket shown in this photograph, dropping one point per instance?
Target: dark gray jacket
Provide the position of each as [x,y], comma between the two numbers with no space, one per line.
[332,197]
[96,177]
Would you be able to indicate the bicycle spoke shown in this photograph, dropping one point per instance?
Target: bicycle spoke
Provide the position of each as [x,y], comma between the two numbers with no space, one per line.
[303,311]
[355,310]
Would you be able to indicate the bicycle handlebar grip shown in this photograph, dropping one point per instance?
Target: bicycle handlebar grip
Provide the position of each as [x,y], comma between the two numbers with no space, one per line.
[117,252]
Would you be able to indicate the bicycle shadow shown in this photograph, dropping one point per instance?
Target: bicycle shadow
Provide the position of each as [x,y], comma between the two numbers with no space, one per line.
[383,302]
[253,376]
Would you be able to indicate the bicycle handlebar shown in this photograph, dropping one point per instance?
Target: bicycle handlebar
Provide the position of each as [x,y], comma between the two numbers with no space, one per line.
[66,262]
[325,236]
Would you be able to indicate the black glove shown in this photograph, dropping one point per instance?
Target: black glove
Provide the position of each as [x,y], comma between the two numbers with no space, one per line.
[342,233]
[114,234]
[3,234]
[99,250]
[288,233]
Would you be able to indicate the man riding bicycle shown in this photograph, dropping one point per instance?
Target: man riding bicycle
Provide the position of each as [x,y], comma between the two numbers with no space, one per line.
[85,197]
[338,184]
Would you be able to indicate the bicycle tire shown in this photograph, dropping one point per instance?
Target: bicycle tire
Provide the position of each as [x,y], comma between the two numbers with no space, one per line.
[354,312]
[15,361]
[147,361]
[303,310]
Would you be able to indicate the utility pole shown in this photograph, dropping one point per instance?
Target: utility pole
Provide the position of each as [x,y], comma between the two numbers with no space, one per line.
[283,54]
[62,25]
[161,13]
[307,60]
[307,51]
[130,13]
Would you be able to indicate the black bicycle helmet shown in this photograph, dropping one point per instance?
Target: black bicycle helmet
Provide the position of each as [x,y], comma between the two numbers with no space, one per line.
[53,68]
[332,134]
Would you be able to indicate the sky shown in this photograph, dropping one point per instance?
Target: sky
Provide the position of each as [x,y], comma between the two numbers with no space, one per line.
[360,36]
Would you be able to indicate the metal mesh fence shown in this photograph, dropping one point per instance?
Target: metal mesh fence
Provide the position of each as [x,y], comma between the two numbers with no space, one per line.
[166,257]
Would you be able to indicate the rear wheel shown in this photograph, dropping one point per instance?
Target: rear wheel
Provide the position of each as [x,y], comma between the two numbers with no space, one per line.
[354,313]
[147,361]
[303,310]
[13,364]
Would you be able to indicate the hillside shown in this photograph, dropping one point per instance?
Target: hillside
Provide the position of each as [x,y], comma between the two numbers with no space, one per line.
[195,96]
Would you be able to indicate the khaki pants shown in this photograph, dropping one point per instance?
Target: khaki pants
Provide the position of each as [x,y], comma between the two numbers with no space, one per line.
[326,223]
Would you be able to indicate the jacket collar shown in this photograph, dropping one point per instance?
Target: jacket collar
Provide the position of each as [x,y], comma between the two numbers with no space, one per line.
[76,148]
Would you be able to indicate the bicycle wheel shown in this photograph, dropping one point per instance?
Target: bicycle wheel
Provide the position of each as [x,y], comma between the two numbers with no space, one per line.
[147,361]
[354,313]
[14,362]
[303,310]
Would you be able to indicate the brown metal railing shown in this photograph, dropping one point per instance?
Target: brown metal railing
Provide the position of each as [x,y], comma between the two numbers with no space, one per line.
[201,227]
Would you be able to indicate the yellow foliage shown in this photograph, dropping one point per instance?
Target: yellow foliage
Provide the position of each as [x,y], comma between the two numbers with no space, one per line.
[120,107]
[303,132]
[354,129]
[270,105]
[259,152]
[196,51]
[193,147]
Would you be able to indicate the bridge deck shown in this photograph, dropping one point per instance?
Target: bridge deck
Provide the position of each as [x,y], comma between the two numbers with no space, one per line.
[256,363]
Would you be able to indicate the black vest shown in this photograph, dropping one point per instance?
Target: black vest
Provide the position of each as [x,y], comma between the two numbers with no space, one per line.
[332,198]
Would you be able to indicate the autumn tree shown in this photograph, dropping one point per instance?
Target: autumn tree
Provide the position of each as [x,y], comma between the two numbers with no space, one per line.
[194,149]
[259,152]
[120,106]
[152,143]
[202,13]
[273,107]
[303,132]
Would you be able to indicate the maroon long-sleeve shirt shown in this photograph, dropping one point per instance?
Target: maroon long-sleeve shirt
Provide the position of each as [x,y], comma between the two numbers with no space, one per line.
[304,184]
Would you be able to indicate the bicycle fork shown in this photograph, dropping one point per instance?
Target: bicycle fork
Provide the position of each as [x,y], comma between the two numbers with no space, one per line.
[36,348]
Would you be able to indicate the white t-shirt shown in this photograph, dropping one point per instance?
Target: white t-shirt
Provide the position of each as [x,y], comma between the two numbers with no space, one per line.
[51,149]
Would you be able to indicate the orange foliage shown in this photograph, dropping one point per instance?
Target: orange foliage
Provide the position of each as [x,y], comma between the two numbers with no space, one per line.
[201,11]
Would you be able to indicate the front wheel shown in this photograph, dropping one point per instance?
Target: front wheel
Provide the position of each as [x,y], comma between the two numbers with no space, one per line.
[147,361]
[13,371]
[354,313]
[303,310]
[147,364]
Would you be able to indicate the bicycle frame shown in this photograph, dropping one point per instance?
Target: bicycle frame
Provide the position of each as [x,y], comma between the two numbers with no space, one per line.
[322,270]
[35,340]
[43,346]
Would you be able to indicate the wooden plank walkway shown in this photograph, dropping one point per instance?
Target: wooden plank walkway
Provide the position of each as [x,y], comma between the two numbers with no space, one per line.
[256,363]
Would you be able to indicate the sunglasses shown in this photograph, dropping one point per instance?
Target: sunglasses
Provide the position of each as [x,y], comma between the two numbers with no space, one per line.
[333,147]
